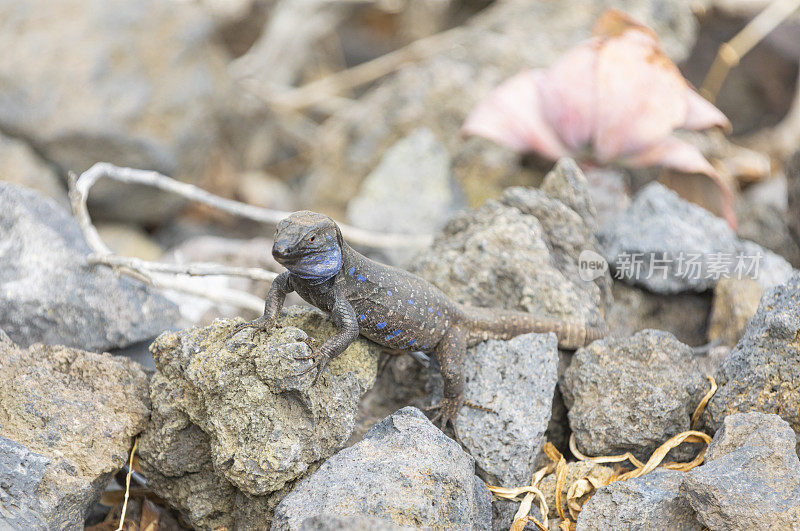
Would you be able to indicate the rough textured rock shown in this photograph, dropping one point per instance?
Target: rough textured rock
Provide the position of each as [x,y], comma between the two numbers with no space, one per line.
[509,36]
[684,315]
[735,303]
[404,471]
[48,292]
[632,394]
[232,421]
[669,245]
[521,252]
[137,86]
[751,476]
[651,502]
[793,212]
[762,373]
[66,424]
[20,165]
[506,445]
[411,191]
[334,522]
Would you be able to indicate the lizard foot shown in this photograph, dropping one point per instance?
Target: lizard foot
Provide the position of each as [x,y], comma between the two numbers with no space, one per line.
[260,324]
[320,361]
[447,411]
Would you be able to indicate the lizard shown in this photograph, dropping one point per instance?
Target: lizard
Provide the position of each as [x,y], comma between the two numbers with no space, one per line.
[390,306]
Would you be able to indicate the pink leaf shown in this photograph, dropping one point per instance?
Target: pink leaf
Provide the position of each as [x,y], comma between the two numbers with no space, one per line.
[569,96]
[703,114]
[641,96]
[511,115]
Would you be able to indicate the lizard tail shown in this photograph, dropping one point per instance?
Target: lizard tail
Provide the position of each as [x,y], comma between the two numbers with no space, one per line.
[489,323]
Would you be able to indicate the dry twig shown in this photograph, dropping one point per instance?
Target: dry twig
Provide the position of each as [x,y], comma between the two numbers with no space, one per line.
[731,52]
[128,484]
[162,275]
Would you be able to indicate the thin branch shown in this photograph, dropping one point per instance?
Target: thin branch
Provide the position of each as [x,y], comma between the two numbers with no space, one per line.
[191,269]
[317,92]
[354,235]
[155,273]
[731,52]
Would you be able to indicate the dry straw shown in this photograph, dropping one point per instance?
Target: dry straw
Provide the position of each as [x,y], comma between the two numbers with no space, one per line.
[587,485]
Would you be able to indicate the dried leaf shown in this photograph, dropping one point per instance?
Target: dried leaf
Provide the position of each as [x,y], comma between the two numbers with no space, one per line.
[151,516]
[702,405]
[511,115]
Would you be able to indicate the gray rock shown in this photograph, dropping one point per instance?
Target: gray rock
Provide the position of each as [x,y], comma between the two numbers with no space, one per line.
[404,471]
[505,38]
[762,373]
[66,423]
[765,225]
[521,253]
[334,522]
[411,191]
[684,315]
[650,502]
[793,212]
[137,86]
[751,476]
[507,444]
[668,245]
[735,303]
[631,395]
[49,293]
[232,420]
[20,165]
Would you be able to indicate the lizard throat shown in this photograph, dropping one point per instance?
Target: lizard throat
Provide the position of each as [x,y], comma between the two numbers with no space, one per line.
[318,267]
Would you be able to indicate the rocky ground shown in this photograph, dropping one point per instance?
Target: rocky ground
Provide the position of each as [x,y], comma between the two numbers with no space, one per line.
[703,332]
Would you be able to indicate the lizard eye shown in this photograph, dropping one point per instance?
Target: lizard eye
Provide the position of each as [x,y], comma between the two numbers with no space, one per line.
[312,238]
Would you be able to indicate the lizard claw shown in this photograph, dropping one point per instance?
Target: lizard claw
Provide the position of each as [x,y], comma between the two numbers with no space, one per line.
[260,324]
[448,410]
[320,361]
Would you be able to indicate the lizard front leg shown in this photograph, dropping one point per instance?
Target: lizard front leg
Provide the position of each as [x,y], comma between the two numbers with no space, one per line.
[344,317]
[272,307]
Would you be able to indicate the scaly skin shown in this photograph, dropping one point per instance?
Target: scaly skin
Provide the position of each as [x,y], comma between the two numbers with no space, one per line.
[390,306]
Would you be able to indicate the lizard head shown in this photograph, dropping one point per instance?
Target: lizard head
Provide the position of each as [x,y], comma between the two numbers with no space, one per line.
[309,245]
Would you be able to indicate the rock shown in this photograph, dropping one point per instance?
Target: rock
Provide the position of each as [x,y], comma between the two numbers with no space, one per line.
[507,444]
[261,189]
[19,164]
[401,382]
[137,86]
[751,476]
[793,212]
[684,315]
[404,471]
[505,38]
[765,225]
[650,502]
[334,522]
[762,373]
[232,420]
[521,253]
[668,245]
[66,424]
[129,240]
[632,394]
[735,303]
[411,191]
[49,292]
